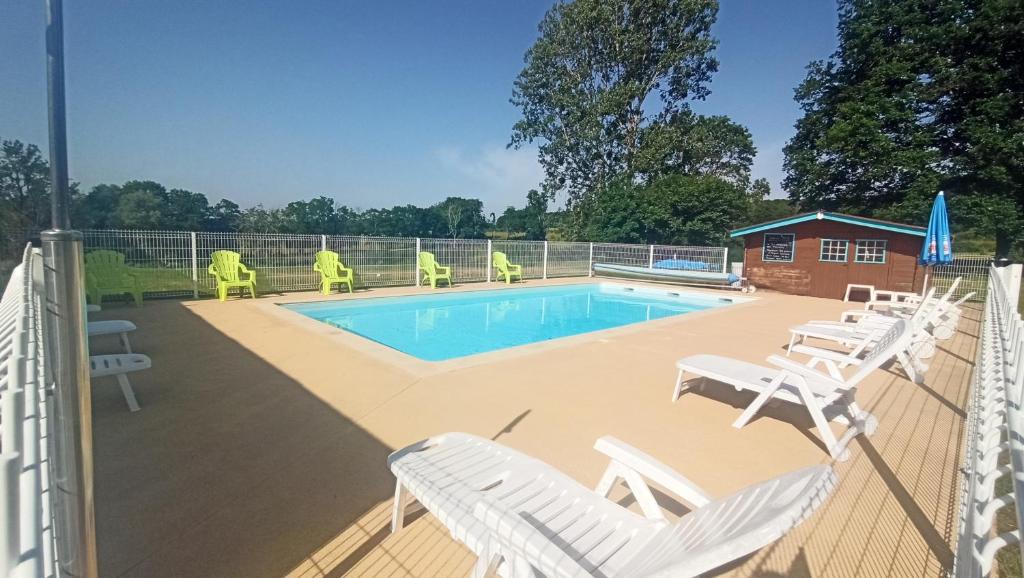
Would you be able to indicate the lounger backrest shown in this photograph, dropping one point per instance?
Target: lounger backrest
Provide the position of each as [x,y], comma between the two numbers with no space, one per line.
[427,261]
[500,260]
[226,264]
[732,527]
[327,262]
[895,340]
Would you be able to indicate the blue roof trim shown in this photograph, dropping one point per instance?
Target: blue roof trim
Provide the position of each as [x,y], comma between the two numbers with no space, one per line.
[840,218]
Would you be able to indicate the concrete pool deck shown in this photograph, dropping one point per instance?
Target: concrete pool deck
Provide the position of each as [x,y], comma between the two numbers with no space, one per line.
[261,444]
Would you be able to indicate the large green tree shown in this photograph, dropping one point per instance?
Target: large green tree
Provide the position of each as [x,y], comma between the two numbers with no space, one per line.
[24,187]
[604,78]
[921,96]
[674,210]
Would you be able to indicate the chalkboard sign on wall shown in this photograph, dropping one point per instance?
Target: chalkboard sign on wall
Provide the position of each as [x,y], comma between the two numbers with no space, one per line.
[778,247]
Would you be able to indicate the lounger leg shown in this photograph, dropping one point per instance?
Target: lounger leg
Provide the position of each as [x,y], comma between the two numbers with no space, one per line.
[125,343]
[792,339]
[126,389]
[836,449]
[678,391]
[398,513]
[759,401]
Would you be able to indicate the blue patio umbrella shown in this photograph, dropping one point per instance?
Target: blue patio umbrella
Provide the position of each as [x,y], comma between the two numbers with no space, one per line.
[937,249]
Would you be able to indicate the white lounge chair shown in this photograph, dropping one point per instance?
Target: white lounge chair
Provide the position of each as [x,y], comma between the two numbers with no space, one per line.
[530,519]
[118,327]
[861,336]
[823,394]
[120,365]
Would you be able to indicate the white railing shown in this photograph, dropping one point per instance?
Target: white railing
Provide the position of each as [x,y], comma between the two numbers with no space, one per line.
[994,445]
[27,541]
[173,263]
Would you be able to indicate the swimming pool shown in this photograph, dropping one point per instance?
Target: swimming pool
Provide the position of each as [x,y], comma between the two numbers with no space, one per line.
[443,326]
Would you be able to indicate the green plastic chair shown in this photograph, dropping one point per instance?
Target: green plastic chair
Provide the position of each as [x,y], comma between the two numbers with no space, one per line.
[106,274]
[332,271]
[505,269]
[432,271]
[227,267]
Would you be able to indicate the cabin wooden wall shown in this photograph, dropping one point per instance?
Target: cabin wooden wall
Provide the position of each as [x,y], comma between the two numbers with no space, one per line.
[806,275]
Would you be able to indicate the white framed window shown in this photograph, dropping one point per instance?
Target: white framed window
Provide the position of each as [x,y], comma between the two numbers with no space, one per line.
[870,251]
[834,250]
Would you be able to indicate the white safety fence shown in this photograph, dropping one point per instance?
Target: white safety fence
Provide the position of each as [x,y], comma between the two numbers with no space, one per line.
[174,263]
[27,540]
[994,445]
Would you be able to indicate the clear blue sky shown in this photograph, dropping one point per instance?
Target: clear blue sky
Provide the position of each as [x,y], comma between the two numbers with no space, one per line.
[372,103]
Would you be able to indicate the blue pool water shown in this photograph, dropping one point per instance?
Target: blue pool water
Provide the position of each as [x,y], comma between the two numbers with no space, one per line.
[444,326]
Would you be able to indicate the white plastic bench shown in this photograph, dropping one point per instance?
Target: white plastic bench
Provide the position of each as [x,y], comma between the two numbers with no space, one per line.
[119,366]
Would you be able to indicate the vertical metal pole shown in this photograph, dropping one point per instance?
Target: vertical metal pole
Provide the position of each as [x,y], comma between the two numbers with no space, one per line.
[545,259]
[590,264]
[416,262]
[68,347]
[195,268]
[650,258]
[725,259]
[489,260]
[323,242]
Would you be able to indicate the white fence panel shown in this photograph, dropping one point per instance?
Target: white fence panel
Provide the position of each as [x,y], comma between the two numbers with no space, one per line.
[27,539]
[973,268]
[690,258]
[281,262]
[162,260]
[529,254]
[621,254]
[174,263]
[468,258]
[994,444]
[377,261]
[568,259]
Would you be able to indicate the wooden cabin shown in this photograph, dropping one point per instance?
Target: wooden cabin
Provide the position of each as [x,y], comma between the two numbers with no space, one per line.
[819,254]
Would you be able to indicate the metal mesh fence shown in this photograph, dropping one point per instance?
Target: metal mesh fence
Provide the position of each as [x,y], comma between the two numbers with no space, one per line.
[174,263]
[567,259]
[467,258]
[281,262]
[377,261]
[529,254]
[162,260]
[973,270]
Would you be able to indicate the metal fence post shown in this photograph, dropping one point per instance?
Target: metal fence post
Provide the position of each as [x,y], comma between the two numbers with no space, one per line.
[590,264]
[72,457]
[725,259]
[545,259]
[323,242]
[195,269]
[650,258]
[489,260]
[416,262]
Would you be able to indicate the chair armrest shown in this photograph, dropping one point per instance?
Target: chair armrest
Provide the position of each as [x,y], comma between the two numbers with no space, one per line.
[800,369]
[212,270]
[820,354]
[652,469]
[447,270]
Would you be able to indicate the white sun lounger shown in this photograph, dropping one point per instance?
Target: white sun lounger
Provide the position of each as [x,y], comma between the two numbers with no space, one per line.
[118,327]
[823,394]
[862,336]
[120,365]
[528,518]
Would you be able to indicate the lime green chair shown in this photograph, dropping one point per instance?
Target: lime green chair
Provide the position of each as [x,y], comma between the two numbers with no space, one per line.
[227,267]
[107,274]
[432,271]
[332,271]
[505,269]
